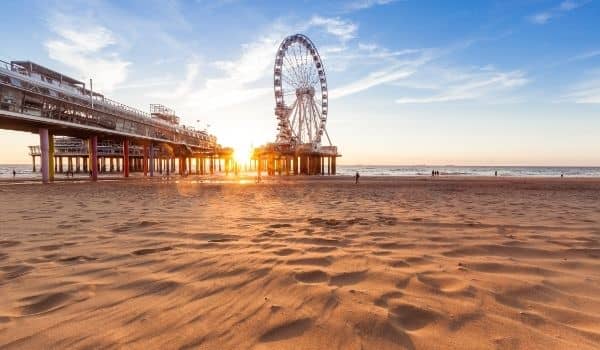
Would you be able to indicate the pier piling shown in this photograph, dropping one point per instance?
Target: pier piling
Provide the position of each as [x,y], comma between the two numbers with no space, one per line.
[94,157]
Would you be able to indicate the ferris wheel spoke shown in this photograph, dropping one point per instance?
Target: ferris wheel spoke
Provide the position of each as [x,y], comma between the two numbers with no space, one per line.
[317,119]
[308,65]
[293,70]
[306,62]
[295,60]
[297,66]
[302,63]
[288,80]
[308,120]
[301,67]
[295,110]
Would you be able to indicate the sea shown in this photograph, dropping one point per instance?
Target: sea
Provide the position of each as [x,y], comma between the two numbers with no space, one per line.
[452,170]
[24,171]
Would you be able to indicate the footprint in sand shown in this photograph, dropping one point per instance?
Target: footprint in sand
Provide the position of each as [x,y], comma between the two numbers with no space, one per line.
[42,303]
[280,225]
[446,284]
[321,249]
[411,317]
[348,278]
[398,263]
[317,261]
[287,330]
[285,252]
[151,250]
[8,244]
[79,259]
[384,298]
[15,271]
[315,276]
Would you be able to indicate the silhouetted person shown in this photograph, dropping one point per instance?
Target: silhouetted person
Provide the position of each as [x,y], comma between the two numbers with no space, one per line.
[356,177]
[496,173]
[14,173]
[562,175]
[433,173]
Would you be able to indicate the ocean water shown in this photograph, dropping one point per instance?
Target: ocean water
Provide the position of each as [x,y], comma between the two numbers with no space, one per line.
[514,171]
[24,171]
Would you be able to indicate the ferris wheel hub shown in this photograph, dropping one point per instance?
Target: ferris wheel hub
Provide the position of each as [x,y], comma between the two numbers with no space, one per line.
[310,91]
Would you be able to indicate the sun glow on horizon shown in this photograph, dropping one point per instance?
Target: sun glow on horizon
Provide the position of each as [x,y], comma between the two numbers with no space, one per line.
[242,153]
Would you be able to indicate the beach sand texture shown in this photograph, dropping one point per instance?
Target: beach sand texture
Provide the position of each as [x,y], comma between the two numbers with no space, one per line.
[305,264]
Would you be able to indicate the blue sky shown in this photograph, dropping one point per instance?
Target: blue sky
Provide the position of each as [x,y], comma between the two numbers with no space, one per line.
[411,82]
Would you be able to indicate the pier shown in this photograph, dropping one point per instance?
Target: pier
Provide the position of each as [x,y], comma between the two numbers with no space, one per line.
[95,134]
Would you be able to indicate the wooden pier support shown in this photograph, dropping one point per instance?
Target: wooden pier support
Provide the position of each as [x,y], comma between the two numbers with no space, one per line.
[45,155]
[333,165]
[51,156]
[125,158]
[151,159]
[94,157]
[145,161]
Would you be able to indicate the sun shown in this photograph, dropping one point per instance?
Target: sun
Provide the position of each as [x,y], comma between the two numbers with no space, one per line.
[242,154]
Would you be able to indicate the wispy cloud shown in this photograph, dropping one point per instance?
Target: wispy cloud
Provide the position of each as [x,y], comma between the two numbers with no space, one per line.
[587,91]
[88,51]
[371,80]
[248,76]
[233,83]
[365,4]
[454,85]
[341,28]
[544,17]
[586,56]
[392,69]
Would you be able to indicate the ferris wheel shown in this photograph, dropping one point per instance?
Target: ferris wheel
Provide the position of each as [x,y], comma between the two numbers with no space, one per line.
[301,102]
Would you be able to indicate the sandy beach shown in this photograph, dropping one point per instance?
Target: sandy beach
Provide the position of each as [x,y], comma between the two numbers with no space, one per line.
[393,263]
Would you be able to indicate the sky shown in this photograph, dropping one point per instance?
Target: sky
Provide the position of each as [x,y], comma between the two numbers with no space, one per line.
[506,82]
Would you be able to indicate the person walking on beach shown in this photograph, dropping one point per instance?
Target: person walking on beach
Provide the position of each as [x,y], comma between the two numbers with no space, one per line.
[356,177]
[496,173]
[14,173]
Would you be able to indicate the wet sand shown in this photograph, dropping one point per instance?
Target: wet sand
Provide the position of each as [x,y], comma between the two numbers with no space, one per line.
[306,264]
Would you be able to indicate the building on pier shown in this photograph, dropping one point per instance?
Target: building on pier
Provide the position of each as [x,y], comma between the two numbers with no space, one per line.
[37,99]
[301,108]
